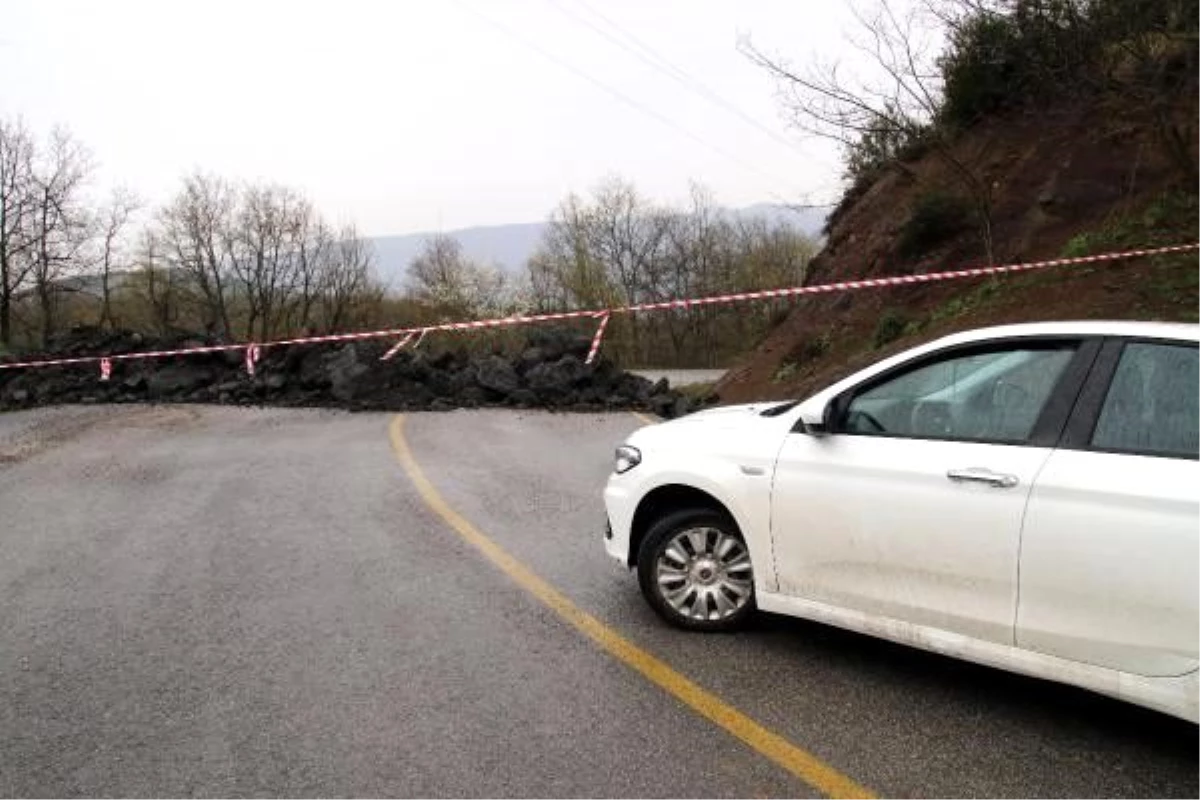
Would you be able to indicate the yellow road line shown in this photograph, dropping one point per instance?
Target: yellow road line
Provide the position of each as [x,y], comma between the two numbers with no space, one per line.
[800,763]
[645,418]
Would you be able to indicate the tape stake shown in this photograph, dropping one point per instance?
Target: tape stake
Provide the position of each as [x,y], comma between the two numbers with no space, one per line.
[390,354]
[420,338]
[105,368]
[252,354]
[596,339]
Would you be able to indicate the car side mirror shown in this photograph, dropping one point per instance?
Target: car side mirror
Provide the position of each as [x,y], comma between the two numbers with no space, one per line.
[816,417]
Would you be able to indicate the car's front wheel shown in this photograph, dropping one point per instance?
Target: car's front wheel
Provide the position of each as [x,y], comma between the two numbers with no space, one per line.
[694,569]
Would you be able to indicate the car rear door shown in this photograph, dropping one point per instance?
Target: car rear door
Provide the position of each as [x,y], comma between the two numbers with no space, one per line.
[1109,550]
[910,506]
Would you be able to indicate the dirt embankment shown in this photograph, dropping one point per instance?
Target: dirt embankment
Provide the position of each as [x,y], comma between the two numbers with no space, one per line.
[1070,181]
[549,372]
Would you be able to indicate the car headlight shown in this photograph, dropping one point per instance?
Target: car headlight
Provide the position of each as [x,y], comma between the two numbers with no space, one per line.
[627,457]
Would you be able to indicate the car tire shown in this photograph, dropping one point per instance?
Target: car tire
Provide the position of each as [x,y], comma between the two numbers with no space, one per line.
[694,570]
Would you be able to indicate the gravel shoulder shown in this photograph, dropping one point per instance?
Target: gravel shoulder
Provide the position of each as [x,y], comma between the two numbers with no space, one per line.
[681,377]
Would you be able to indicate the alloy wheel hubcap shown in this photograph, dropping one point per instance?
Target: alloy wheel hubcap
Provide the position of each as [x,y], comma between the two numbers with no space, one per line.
[705,574]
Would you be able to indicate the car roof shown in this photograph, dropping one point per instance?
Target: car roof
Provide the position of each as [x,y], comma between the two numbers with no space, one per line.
[1147,330]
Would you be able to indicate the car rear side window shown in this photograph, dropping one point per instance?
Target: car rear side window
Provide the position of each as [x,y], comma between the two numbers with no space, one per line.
[1152,406]
[991,396]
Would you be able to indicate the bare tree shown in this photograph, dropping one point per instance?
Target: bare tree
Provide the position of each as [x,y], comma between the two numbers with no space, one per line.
[314,242]
[158,281]
[695,248]
[347,279]
[16,178]
[262,247]
[195,234]
[877,116]
[442,277]
[58,223]
[625,235]
[564,272]
[113,220]
[619,249]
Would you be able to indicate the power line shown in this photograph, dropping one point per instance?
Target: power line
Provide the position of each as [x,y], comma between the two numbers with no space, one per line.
[624,98]
[644,52]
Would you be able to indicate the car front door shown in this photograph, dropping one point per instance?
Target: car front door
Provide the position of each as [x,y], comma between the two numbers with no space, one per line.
[1110,549]
[909,506]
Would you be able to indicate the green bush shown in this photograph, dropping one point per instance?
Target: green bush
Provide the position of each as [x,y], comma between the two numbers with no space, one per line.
[1032,50]
[967,301]
[892,325]
[934,219]
[806,350]
[812,348]
[881,146]
[980,70]
[1024,51]
[1081,244]
[1167,219]
[786,370]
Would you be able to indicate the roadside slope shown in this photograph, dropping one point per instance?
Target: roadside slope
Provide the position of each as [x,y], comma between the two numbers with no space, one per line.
[1082,179]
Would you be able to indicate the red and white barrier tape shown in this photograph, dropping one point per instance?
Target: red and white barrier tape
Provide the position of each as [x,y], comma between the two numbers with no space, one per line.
[901,280]
[59,362]
[105,369]
[604,313]
[595,348]
[397,348]
[253,351]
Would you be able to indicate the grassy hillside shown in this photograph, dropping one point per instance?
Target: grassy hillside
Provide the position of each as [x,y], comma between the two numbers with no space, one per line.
[1073,178]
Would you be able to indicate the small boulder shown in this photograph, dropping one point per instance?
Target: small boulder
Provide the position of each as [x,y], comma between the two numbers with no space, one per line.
[556,378]
[523,398]
[343,369]
[498,375]
[530,357]
[175,379]
[662,404]
[473,397]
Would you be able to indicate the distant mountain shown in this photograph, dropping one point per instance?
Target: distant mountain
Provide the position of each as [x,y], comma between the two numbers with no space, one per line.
[506,245]
[510,246]
[809,220]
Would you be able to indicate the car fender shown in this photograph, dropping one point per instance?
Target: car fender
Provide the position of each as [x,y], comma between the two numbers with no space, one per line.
[743,489]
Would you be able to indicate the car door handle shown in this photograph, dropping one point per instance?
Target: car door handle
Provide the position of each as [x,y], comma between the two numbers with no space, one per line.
[982,475]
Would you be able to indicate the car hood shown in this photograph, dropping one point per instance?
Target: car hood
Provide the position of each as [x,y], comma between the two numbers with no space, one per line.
[725,429]
[739,417]
[728,413]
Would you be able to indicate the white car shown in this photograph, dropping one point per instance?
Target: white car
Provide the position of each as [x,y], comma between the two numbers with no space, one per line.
[1026,497]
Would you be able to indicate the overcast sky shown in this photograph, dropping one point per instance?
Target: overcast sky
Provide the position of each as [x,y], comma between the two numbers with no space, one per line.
[424,114]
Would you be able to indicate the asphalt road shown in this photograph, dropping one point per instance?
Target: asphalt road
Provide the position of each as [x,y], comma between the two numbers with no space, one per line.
[232,602]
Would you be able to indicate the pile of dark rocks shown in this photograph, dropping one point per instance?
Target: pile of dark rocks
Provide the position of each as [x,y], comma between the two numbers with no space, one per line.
[549,372]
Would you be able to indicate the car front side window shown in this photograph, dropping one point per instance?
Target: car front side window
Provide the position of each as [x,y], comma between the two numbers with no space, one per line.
[994,395]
